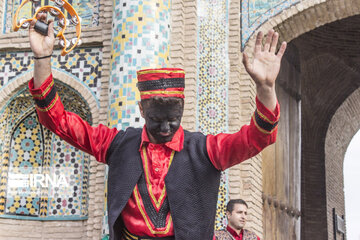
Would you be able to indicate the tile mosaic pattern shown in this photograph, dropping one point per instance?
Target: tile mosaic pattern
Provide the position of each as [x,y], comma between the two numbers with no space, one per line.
[73,163]
[213,67]
[13,65]
[3,127]
[9,116]
[255,12]
[26,156]
[67,160]
[33,149]
[141,33]
[83,64]
[85,186]
[44,200]
[223,198]
[212,80]
[140,40]
[88,10]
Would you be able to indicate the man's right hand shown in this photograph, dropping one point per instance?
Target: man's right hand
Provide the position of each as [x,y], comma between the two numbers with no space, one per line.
[41,46]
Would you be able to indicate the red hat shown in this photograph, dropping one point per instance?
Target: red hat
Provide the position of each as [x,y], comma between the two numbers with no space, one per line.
[162,82]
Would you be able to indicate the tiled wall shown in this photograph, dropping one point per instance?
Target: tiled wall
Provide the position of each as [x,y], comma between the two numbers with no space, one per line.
[141,32]
[83,64]
[256,12]
[88,10]
[212,80]
[28,148]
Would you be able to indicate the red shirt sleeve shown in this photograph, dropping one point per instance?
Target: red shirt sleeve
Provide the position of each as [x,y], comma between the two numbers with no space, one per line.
[69,126]
[227,150]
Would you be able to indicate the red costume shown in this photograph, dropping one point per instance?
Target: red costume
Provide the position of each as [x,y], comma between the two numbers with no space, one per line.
[224,151]
[242,235]
[231,234]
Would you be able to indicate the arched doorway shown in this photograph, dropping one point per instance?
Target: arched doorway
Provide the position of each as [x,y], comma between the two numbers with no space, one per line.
[351,187]
[329,75]
[343,126]
[29,151]
[320,72]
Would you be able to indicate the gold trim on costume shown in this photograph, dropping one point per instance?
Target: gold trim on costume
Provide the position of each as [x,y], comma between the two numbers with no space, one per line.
[50,106]
[45,91]
[128,238]
[261,129]
[128,235]
[131,235]
[146,219]
[160,71]
[161,92]
[265,118]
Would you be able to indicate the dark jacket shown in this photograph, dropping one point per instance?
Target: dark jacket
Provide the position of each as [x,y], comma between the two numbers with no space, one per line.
[192,184]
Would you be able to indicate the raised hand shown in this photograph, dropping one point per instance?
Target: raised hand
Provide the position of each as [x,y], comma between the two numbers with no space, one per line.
[265,67]
[41,45]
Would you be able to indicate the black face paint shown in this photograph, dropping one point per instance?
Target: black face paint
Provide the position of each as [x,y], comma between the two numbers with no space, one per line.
[162,121]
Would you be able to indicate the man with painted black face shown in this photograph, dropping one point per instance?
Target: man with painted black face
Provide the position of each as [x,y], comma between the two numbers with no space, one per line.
[163,181]
[162,117]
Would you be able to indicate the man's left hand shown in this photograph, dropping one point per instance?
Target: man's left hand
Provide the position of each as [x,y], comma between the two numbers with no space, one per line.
[265,67]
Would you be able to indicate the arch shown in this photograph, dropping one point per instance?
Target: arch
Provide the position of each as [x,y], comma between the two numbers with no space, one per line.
[26,106]
[306,16]
[21,81]
[8,91]
[292,24]
[343,126]
[25,156]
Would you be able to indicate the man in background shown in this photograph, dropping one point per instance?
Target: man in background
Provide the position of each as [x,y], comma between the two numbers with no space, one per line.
[236,214]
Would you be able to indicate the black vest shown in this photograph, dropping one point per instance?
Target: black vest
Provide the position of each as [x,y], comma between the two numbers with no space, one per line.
[192,184]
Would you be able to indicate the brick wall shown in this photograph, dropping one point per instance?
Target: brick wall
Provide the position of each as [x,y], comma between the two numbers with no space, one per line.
[101,36]
[344,124]
[183,51]
[11,229]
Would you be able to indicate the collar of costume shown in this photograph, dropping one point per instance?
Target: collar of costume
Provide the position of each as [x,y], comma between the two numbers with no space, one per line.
[162,82]
[176,143]
[233,232]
